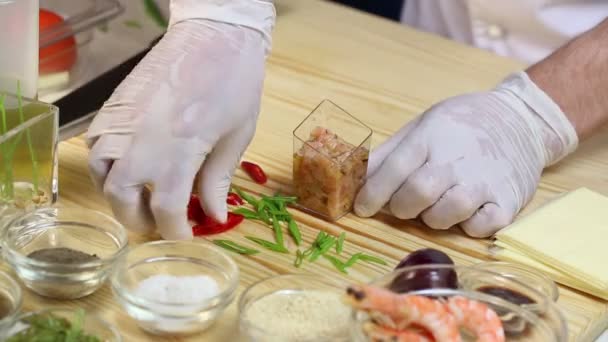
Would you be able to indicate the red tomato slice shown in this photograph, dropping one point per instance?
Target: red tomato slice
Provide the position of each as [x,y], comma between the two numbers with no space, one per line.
[60,56]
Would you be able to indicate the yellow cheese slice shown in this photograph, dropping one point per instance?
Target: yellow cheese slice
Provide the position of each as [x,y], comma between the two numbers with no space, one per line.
[568,234]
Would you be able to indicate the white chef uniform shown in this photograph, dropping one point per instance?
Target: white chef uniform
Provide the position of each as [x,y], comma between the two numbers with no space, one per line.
[527,30]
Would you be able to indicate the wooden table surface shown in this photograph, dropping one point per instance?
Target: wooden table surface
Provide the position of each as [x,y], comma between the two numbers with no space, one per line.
[384,74]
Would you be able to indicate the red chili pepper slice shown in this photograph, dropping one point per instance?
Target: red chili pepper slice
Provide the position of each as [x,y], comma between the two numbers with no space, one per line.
[195,211]
[209,226]
[255,172]
[234,199]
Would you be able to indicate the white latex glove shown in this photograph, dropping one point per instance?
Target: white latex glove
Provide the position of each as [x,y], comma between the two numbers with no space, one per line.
[473,160]
[191,104]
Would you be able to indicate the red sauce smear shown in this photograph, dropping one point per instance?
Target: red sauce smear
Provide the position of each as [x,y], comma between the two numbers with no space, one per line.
[255,172]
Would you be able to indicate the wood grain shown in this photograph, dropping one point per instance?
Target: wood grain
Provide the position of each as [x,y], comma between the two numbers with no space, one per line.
[384,74]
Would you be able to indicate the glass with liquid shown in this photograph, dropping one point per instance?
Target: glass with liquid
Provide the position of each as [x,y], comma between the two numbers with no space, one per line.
[28,155]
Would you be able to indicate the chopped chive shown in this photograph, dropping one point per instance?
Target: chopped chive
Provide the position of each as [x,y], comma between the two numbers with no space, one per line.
[268,201]
[325,246]
[371,258]
[249,214]
[284,199]
[267,244]
[264,216]
[299,258]
[278,232]
[248,198]
[340,244]
[133,24]
[154,13]
[234,247]
[353,259]
[320,236]
[292,226]
[337,263]
[314,255]
[28,137]
[308,252]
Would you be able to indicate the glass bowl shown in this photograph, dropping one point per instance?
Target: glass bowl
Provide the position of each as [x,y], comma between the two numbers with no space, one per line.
[78,229]
[10,303]
[275,295]
[531,277]
[91,324]
[519,323]
[173,316]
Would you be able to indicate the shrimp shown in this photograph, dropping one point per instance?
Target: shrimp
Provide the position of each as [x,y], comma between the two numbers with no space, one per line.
[379,333]
[476,317]
[406,309]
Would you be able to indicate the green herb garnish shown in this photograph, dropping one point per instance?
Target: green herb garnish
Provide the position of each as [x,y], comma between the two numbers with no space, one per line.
[340,243]
[323,248]
[278,231]
[154,13]
[248,198]
[133,24]
[272,210]
[48,327]
[292,226]
[337,263]
[249,214]
[267,244]
[299,258]
[28,137]
[234,247]
[371,258]
[353,259]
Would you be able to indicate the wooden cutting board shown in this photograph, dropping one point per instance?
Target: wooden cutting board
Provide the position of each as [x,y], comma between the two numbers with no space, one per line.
[384,74]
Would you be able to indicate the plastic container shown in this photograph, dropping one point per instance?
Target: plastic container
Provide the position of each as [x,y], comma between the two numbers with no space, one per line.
[19,41]
[80,229]
[64,45]
[292,287]
[28,155]
[91,324]
[519,323]
[331,151]
[11,303]
[174,258]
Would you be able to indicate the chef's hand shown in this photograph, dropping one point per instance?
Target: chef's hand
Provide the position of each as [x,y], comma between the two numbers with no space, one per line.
[190,105]
[473,160]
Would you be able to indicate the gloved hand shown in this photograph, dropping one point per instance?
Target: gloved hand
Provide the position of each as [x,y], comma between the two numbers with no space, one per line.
[473,160]
[191,104]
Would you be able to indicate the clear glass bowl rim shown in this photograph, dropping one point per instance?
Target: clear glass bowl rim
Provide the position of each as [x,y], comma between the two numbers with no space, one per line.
[18,303]
[241,304]
[110,327]
[552,306]
[121,267]
[22,259]
[553,289]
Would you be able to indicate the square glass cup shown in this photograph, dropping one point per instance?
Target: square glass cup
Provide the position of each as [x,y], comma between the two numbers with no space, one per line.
[28,155]
[331,151]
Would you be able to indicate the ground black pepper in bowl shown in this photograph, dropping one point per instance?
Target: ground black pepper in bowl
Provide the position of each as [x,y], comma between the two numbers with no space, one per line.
[62,255]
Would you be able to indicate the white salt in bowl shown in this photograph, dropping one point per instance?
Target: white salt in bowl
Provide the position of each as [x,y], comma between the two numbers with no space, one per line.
[292,323]
[187,309]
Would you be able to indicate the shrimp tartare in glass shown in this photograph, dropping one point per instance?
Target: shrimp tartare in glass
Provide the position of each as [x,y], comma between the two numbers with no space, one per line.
[328,172]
